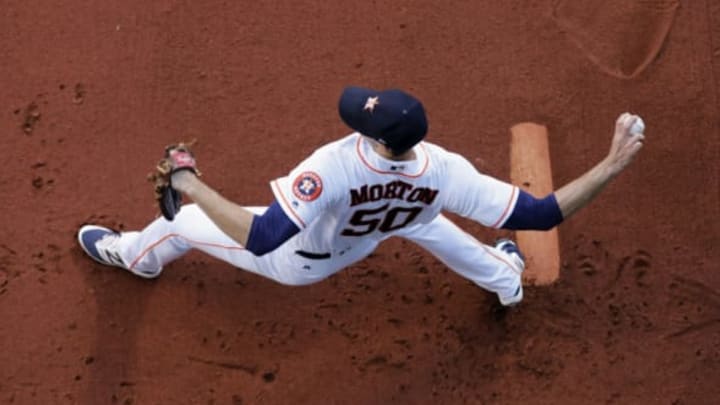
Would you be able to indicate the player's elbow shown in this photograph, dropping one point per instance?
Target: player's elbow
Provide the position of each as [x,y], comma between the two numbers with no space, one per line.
[545,227]
[531,213]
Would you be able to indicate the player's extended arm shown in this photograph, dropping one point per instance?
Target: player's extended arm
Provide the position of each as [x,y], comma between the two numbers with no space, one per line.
[625,146]
[258,234]
[543,214]
[234,220]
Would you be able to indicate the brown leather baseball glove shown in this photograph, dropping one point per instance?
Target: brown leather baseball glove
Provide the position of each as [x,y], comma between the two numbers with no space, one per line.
[177,157]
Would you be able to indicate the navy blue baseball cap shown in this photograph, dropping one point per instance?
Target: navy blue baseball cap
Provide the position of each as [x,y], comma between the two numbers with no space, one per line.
[392,117]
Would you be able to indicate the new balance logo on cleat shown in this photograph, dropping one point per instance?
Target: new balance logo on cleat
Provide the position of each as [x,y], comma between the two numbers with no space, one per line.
[115,259]
[101,244]
[517,259]
[511,249]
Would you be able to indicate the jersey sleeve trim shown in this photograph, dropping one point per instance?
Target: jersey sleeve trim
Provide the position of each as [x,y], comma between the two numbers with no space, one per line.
[286,206]
[508,209]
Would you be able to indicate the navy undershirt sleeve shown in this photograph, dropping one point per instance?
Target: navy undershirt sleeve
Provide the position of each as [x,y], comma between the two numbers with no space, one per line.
[270,230]
[531,213]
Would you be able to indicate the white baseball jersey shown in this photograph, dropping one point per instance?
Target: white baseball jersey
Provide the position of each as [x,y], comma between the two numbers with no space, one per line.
[346,199]
[345,191]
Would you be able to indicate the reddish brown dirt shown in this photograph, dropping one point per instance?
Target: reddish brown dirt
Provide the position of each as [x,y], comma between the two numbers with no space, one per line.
[92,92]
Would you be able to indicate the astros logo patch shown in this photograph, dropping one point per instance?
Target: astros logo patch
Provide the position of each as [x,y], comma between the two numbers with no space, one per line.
[307,186]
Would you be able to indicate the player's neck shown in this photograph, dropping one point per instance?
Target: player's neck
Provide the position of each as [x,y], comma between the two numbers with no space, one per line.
[385,152]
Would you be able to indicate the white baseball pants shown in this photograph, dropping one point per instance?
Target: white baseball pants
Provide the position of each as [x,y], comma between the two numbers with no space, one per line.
[163,241]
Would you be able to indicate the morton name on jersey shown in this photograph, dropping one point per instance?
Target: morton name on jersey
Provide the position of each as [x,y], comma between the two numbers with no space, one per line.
[346,190]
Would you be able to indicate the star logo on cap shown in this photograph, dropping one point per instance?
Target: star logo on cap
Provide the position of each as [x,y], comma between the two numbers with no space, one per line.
[371,103]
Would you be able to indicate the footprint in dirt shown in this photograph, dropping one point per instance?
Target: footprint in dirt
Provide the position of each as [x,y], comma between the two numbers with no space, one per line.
[622,286]
[31,115]
[593,259]
[636,266]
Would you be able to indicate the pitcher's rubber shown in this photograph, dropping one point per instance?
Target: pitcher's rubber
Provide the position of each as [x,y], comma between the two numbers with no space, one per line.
[530,170]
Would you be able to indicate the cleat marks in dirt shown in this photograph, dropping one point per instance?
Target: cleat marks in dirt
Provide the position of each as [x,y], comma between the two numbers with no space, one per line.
[698,304]
[31,116]
[594,260]
[636,266]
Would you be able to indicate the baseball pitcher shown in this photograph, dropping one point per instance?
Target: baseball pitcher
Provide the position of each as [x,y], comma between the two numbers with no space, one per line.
[337,205]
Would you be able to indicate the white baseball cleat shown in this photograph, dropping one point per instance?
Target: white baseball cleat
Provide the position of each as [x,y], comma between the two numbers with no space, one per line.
[100,244]
[516,257]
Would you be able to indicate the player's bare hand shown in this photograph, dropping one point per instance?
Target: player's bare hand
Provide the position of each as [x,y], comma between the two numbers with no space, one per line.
[181,165]
[182,179]
[170,177]
[626,143]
